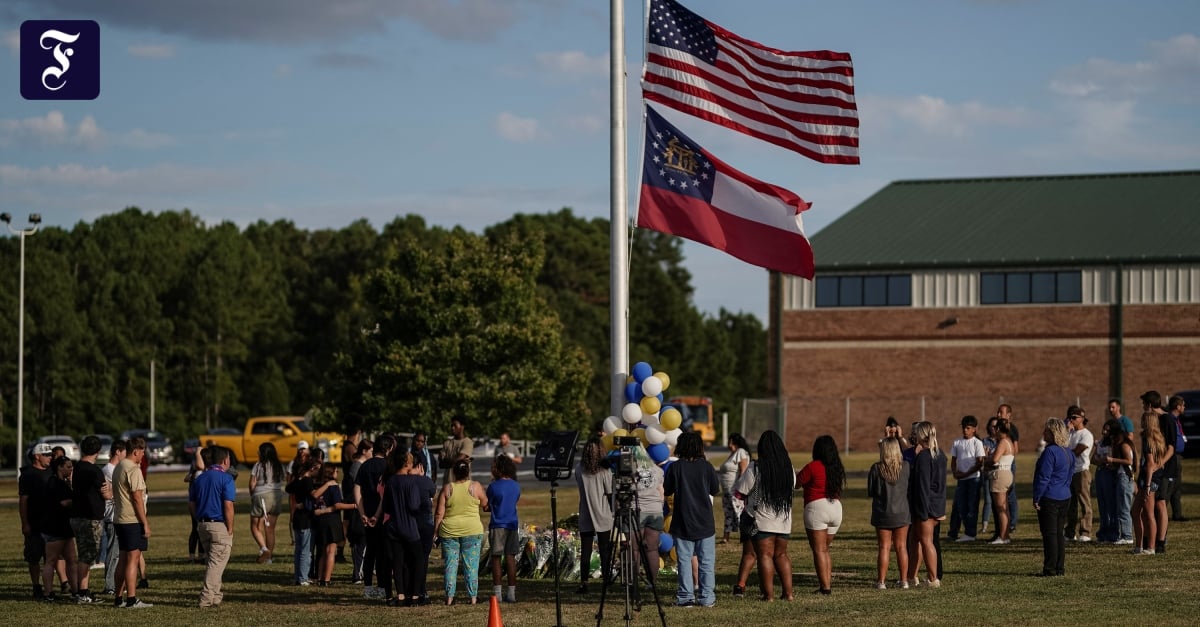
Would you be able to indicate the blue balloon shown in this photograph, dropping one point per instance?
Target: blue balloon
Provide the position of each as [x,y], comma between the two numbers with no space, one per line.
[641,370]
[662,401]
[665,542]
[633,392]
[659,452]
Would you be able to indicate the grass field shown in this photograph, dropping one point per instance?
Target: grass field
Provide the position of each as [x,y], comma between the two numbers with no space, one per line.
[983,584]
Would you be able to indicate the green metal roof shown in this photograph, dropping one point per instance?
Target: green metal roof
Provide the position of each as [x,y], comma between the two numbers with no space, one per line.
[1033,220]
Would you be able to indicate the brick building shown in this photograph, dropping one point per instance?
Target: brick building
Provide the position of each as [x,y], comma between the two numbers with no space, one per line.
[940,298]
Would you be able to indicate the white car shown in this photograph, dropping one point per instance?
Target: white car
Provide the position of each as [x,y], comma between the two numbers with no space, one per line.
[65,441]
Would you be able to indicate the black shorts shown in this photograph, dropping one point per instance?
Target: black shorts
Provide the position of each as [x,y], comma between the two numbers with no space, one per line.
[130,537]
[1166,488]
[35,548]
[327,529]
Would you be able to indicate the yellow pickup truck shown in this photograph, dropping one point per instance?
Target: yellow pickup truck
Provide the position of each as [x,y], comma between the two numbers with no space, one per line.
[285,432]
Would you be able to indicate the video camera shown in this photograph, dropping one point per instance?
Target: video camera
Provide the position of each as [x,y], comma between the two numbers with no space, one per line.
[627,475]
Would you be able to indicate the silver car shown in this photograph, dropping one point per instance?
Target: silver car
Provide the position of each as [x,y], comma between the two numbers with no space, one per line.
[65,441]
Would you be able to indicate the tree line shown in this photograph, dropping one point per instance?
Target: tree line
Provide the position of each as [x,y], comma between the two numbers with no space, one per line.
[399,328]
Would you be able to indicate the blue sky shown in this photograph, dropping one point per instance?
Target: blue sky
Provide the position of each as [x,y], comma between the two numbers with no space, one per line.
[469,111]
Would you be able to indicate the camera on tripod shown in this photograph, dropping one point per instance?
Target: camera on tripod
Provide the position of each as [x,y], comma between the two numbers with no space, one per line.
[627,475]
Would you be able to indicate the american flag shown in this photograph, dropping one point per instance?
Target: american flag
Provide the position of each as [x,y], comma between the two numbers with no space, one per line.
[802,101]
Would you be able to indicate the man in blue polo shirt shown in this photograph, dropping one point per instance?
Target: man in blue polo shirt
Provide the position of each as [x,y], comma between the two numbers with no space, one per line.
[210,500]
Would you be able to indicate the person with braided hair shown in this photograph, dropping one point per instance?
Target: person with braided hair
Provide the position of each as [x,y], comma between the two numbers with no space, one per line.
[768,489]
[823,480]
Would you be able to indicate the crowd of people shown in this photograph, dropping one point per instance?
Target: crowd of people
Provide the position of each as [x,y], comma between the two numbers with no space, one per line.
[393,500]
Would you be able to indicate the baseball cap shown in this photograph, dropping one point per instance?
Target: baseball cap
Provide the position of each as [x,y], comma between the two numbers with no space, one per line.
[302,444]
[43,449]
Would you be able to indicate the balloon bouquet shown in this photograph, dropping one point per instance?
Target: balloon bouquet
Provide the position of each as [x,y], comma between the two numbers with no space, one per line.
[645,417]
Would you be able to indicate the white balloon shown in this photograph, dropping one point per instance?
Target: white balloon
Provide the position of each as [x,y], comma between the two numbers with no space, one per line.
[632,413]
[673,436]
[654,435]
[652,386]
[650,420]
[612,423]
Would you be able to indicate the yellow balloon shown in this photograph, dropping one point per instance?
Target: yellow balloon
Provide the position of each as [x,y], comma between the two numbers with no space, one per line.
[641,435]
[665,378]
[607,440]
[670,419]
[650,405]
[667,522]
[620,432]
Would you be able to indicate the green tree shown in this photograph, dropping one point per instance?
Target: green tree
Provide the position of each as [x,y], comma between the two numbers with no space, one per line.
[460,329]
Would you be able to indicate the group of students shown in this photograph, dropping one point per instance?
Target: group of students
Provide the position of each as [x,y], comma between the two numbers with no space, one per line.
[77,514]
[388,508]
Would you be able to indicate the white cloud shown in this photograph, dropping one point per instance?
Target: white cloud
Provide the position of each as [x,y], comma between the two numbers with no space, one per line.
[155,179]
[53,130]
[516,128]
[1173,67]
[936,116]
[151,51]
[12,41]
[572,64]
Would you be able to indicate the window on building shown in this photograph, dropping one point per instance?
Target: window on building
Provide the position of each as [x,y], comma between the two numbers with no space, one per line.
[1000,288]
[883,290]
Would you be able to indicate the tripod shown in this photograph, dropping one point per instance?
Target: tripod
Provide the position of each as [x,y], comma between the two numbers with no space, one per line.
[627,530]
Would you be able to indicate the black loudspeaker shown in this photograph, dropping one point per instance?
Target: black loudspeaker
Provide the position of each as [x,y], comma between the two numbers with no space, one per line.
[555,457]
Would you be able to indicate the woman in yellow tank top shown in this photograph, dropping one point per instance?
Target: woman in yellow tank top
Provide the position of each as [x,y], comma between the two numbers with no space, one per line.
[460,528]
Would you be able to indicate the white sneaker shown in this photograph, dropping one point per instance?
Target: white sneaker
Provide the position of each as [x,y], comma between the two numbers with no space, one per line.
[1000,541]
[965,539]
[880,586]
[1085,538]
[139,605]
[902,584]
[1123,542]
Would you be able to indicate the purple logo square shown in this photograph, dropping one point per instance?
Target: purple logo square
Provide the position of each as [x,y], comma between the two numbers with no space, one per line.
[60,60]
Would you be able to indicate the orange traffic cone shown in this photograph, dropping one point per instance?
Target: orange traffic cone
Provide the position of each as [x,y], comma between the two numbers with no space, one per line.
[494,614]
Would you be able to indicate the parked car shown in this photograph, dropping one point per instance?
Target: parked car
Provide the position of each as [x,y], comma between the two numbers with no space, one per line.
[285,432]
[1190,421]
[65,441]
[103,456]
[158,446]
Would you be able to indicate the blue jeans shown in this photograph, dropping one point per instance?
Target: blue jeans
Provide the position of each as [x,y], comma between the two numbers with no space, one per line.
[1124,498]
[966,507]
[706,551]
[303,554]
[985,495]
[1012,500]
[1106,499]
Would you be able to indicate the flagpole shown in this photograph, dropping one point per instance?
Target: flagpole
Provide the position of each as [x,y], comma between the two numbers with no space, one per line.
[619,210]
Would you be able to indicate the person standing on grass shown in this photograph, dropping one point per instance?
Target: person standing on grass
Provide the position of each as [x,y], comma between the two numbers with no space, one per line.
[1169,463]
[327,503]
[1175,407]
[356,531]
[130,522]
[1005,412]
[731,470]
[32,490]
[371,476]
[1106,483]
[401,507]
[60,542]
[503,538]
[966,460]
[1051,495]
[693,482]
[1001,465]
[427,492]
[460,528]
[1080,443]
[926,501]
[823,480]
[594,481]
[1149,482]
[116,453]
[300,487]
[887,485]
[768,489]
[266,496]
[457,446]
[210,501]
[89,493]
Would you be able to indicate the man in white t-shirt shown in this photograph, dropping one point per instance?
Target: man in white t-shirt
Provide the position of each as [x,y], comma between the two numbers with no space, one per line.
[1079,514]
[966,460]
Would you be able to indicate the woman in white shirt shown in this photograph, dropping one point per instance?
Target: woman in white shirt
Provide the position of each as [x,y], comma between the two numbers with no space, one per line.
[731,470]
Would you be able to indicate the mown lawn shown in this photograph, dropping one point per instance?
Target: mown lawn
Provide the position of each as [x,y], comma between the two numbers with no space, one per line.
[1105,585]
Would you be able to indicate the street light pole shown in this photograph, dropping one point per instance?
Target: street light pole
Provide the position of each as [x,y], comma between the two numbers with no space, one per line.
[34,220]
